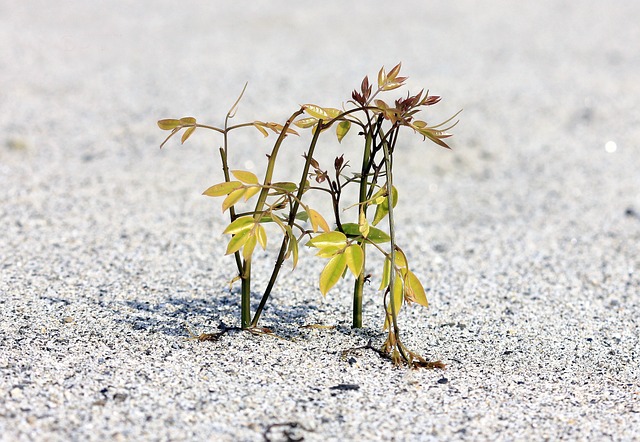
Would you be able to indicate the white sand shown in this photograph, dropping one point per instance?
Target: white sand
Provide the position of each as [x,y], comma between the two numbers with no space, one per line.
[526,235]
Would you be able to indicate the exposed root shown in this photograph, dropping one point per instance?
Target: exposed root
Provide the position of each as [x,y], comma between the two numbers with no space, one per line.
[393,354]
[224,329]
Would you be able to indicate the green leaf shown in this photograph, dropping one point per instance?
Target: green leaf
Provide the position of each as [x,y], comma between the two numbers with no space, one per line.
[223,188]
[351,229]
[342,128]
[240,224]
[169,124]
[415,289]
[378,236]
[187,133]
[375,235]
[249,247]
[355,259]
[237,241]
[332,273]
[317,221]
[232,198]
[283,187]
[316,111]
[302,216]
[336,239]
[382,210]
[261,233]
[245,177]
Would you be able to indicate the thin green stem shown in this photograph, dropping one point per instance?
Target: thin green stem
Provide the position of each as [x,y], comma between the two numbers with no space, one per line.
[291,223]
[244,270]
[358,287]
[245,302]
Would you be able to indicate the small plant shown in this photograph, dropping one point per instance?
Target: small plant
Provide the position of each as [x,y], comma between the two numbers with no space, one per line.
[283,203]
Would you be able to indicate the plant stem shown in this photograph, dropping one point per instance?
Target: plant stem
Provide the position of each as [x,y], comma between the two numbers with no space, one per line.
[245,302]
[392,235]
[244,268]
[246,293]
[358,287]
[291,221]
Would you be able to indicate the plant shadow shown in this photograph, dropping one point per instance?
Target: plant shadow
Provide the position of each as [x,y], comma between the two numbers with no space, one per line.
[178,315]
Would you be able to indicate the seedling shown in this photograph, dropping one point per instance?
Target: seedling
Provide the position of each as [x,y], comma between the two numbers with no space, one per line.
[344,244]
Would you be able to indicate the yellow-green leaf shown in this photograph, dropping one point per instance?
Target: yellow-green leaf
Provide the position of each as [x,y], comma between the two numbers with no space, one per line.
[261,233]
[355,259]
[169,124]
[416,289]
[279,222]
[382,77]
[237,241]
[240,224]
[381,104]
[277,128]
[393,73]
[232,198]
[293,250]
[316,111]
[262,130]
[342,128]
[386,274]
[223,188]
[317,221]
[251,191]
[382,210]
[363,224]
[332,273]
[187,121]
[249,247]
[305,123]
[328,239]
[391,86]
[332,112]
[397,293]
[401,259]
[329,251]
[187,133]
[245,177]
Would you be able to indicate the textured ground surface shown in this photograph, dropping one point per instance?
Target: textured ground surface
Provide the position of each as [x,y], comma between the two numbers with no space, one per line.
[526,234]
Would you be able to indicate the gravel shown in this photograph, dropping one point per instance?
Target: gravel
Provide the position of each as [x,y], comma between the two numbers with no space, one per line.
[526,234]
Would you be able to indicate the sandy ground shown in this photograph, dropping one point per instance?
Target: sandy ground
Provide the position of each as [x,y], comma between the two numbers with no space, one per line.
[526,234]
